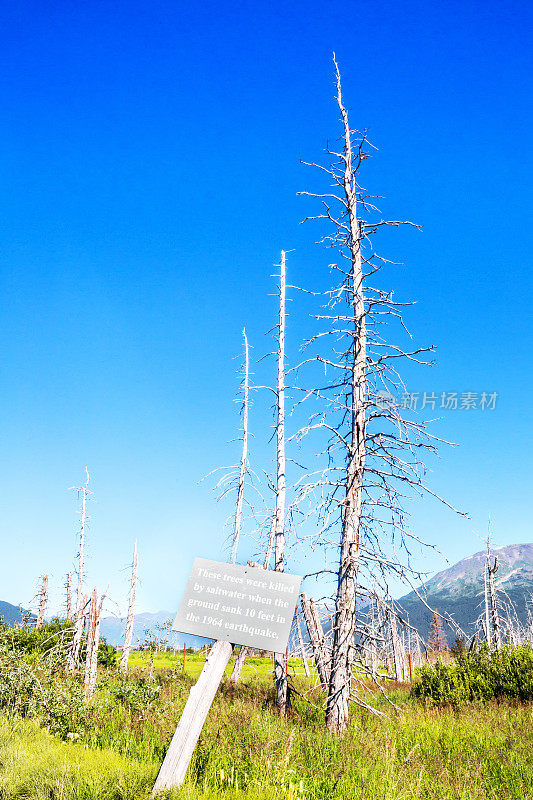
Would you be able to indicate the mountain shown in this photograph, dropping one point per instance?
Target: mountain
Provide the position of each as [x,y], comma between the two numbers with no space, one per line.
[12,615]
[146,624]
[459,590]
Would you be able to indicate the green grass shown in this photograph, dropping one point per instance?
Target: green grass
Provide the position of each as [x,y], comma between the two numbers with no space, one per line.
[247,752]
[253,667]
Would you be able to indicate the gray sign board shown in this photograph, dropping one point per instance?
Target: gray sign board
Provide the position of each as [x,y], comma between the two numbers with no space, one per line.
[243,605]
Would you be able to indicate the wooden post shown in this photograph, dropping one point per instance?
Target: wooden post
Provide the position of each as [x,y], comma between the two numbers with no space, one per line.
[201,696]
[184,650]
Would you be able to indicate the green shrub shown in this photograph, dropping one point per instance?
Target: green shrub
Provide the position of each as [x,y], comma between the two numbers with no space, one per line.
[480,676]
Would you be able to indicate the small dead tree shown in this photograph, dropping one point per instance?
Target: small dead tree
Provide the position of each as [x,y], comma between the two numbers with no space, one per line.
[318,640]
[301,644]
[372,445]
[437,639]
[90,643]
[93,642]
[74,650]
[42,602]
[69,596]
[128,634]
[494,630]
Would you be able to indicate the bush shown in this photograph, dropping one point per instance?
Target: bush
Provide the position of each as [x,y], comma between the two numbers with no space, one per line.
[480,676]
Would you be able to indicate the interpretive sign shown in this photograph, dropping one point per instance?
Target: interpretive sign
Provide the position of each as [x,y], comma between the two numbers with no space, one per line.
[241,605]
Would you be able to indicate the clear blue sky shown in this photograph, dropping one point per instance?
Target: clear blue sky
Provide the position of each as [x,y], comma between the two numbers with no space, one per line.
[149,160]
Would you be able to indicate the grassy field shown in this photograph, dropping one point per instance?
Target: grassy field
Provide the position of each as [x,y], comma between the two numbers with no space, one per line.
[247,751]
[253,667]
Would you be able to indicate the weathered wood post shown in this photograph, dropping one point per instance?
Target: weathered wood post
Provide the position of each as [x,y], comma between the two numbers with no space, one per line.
[201,696]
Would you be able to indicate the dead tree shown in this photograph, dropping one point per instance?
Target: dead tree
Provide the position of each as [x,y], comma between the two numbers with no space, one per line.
[90,643]
[93,642]
[69,596]
[128,634]
[74,650]
[281,481]
[277,532]
[42,602]
[494,631]
[371,443]
[318,640]
[301,644]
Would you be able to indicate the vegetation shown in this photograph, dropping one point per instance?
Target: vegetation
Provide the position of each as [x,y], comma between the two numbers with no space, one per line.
[479,676]
[248,751]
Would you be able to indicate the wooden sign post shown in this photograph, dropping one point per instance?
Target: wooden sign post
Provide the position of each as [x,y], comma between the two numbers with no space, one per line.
[234,605]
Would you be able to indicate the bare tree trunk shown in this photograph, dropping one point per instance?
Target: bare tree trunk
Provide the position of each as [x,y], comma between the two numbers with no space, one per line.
[42,602]
[345,623]
[301,643]
[239,664]
[90,643]
[69,596]
[96,642]
[74,651]
[180,751]
[318,642]
[244,455]
[128,636]
[487,624]
[496,634]
[279,664]
[396,648]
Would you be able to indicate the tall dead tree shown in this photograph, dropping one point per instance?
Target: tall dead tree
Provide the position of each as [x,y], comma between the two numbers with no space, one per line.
[42,602]
[281,480]
[128,634]
[74,650]
[371,442]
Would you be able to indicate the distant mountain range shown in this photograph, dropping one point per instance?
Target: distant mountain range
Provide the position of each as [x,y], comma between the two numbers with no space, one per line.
[11,614]
[146,625]
[459,590]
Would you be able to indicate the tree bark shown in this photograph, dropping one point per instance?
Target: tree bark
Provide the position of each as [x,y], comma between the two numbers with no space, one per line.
[279,664]
[318,642]
[42,602]
[301,643]
[344,625]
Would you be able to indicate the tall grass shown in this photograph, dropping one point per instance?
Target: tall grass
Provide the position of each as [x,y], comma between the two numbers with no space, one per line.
[247,751]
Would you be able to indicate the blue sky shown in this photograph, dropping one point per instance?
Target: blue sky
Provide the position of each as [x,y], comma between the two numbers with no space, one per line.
[149,157]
